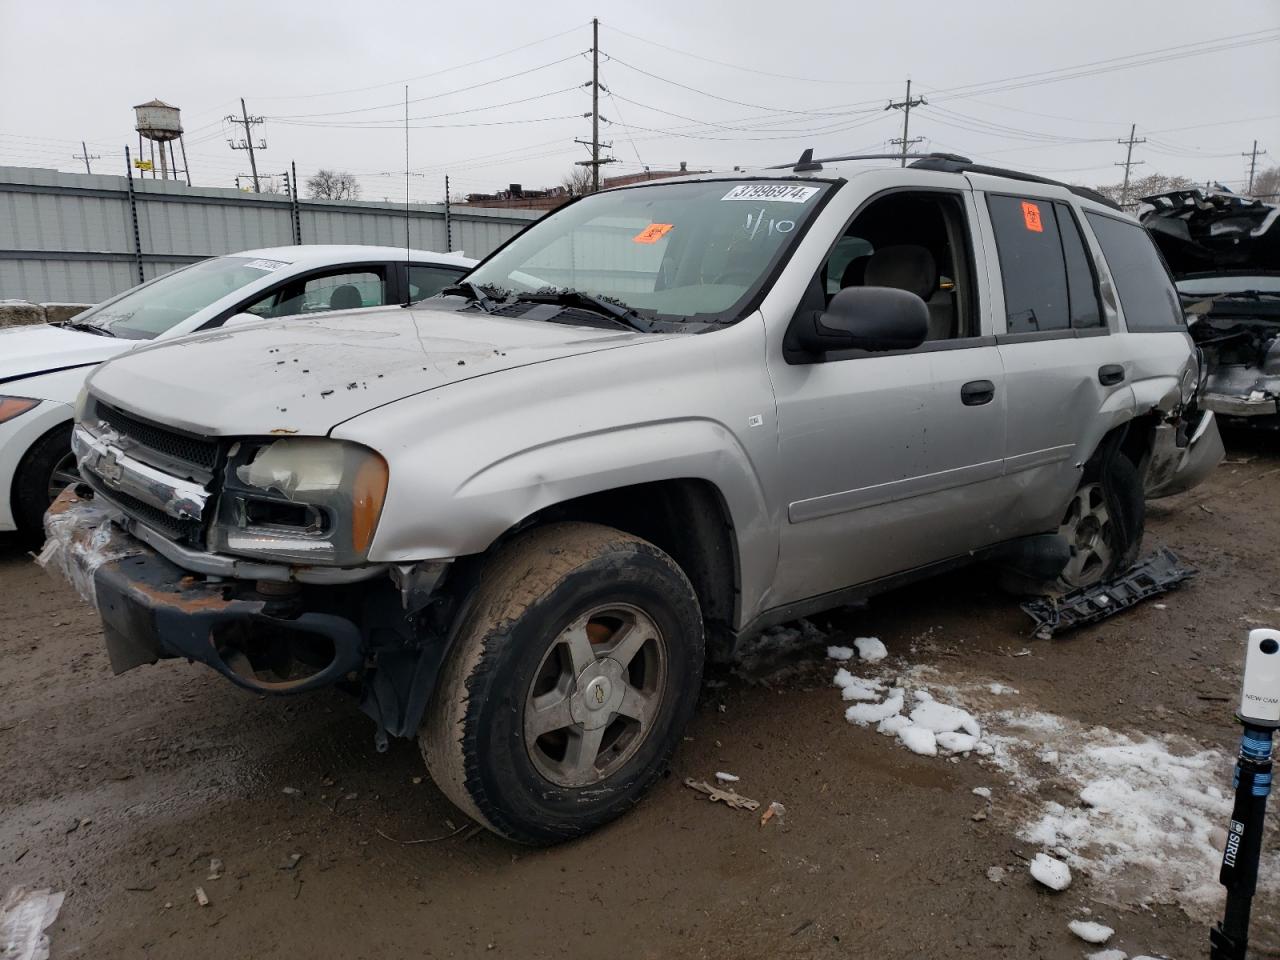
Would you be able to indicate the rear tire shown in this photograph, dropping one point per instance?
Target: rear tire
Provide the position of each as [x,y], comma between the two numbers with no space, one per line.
[575,669]
[1103,524]
[47,468]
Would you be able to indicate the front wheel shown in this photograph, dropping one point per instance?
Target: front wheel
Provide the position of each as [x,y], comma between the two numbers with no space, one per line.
[44,472]
[573,675]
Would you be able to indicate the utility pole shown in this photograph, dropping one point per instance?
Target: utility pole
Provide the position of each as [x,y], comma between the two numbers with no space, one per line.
[248,123]
[448,218]
[1128,162]
[905,106]
[595,161]
[1253,163]
[86,156]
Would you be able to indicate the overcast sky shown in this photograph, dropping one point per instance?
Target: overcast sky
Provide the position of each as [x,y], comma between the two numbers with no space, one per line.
[329,79]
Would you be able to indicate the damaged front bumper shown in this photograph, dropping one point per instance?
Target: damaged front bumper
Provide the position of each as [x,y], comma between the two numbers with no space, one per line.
[151,609]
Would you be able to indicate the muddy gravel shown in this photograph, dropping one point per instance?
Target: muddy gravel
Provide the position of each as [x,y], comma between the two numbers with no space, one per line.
[121,790]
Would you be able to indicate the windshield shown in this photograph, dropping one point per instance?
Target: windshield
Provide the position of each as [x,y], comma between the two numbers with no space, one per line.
[1231,283]
[147,311]
[676,250]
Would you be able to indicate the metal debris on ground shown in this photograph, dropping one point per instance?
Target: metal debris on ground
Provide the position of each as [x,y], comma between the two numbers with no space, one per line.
[215,869]
[291,862]
[728,797]
[1158,573]
[202,898]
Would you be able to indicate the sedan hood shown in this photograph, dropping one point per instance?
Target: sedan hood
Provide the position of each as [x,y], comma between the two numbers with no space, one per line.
[40,348]
[1201,231]
[309,375]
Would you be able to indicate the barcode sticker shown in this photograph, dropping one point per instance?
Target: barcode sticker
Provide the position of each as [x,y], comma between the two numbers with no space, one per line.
[778,192]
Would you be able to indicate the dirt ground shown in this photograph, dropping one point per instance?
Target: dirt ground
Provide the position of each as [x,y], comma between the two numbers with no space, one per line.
[119,790]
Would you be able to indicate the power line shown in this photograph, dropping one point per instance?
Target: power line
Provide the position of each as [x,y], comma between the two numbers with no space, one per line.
[429,116]
[434,96]
[752,70]
[424,76]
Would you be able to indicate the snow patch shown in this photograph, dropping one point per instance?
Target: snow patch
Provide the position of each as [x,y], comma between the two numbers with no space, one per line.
[1053,873]
[919,740]
[856,688]
[867,713]
[840,653]
[24,916]
[870,649]
[1091,932]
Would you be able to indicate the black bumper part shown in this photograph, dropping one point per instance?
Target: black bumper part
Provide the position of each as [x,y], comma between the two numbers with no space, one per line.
[153,610]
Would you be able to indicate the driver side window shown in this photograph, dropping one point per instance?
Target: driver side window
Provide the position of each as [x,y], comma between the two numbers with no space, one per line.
[918,242]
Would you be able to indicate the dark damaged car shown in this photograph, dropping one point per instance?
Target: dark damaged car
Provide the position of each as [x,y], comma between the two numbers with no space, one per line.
[1224,251]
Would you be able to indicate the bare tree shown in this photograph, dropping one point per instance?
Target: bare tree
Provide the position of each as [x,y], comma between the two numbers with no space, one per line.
[1266,185]
[577,182]
[333,185]
[1147,186]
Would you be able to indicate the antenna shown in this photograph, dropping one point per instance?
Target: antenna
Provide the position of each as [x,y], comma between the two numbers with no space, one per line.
[406,194]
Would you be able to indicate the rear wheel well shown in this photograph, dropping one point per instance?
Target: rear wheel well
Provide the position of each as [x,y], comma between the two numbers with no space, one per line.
[685,518]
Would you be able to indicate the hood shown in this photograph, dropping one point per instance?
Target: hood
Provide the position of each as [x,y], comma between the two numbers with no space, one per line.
[308,375]
[40,348]
[1201,231]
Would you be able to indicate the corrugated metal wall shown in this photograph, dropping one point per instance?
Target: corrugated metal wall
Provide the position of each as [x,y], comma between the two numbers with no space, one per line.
[69,237]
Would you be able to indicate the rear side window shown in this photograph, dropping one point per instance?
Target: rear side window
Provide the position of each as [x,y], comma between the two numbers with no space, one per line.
[1082,289]
[1032,266]
[1147,295]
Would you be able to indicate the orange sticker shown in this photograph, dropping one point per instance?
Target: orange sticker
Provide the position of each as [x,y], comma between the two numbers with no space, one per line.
[1031,217]
[652,233]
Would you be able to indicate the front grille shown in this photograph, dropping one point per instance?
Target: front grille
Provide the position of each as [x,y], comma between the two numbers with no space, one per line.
[172,444]
[185,531]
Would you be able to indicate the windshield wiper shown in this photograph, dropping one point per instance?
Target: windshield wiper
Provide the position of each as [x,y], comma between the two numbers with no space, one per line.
[623,315]
[88,328]
[473,292]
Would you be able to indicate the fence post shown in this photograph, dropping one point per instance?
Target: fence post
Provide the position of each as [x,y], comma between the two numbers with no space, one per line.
[133,213]
[448,220]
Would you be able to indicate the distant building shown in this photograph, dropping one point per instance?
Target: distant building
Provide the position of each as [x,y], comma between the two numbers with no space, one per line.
[518,198]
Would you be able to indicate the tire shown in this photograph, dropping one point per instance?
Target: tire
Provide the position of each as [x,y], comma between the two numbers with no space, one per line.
[550,605]
[42,473]
[1104,523]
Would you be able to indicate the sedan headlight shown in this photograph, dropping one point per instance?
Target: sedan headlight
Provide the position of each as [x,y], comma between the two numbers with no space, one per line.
[11,407]
[301,499]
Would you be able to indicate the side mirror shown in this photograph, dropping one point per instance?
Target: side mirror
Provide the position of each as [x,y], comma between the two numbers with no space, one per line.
[237,319]
[864,318]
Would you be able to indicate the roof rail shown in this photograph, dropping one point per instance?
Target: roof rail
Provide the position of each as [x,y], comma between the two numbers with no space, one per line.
[950,164]
[807,162]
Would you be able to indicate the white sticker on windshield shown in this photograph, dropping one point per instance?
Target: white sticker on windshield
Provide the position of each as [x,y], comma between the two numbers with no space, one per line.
[266,264]
[784,192]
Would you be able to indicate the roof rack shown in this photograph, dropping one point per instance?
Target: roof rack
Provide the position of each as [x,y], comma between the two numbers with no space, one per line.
[952,164]
[944,163]
[807,162]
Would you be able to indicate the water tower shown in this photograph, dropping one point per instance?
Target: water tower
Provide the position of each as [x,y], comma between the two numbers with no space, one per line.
[161,123]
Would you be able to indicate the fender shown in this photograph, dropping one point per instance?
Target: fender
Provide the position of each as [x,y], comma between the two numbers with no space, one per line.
[519,485]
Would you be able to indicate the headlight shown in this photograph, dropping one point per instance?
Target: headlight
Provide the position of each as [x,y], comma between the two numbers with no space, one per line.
[301,499]
[11,407]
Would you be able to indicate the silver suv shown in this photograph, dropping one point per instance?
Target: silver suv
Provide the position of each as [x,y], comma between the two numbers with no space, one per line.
[513,520]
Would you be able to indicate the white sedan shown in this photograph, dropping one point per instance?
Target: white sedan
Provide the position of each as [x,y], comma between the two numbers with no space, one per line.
[43,367]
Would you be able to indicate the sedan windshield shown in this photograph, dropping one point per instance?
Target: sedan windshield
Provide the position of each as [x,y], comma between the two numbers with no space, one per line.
[147,311]
[677,251]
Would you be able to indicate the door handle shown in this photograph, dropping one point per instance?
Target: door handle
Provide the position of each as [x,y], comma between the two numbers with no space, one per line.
[1109,374]
[977,392]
